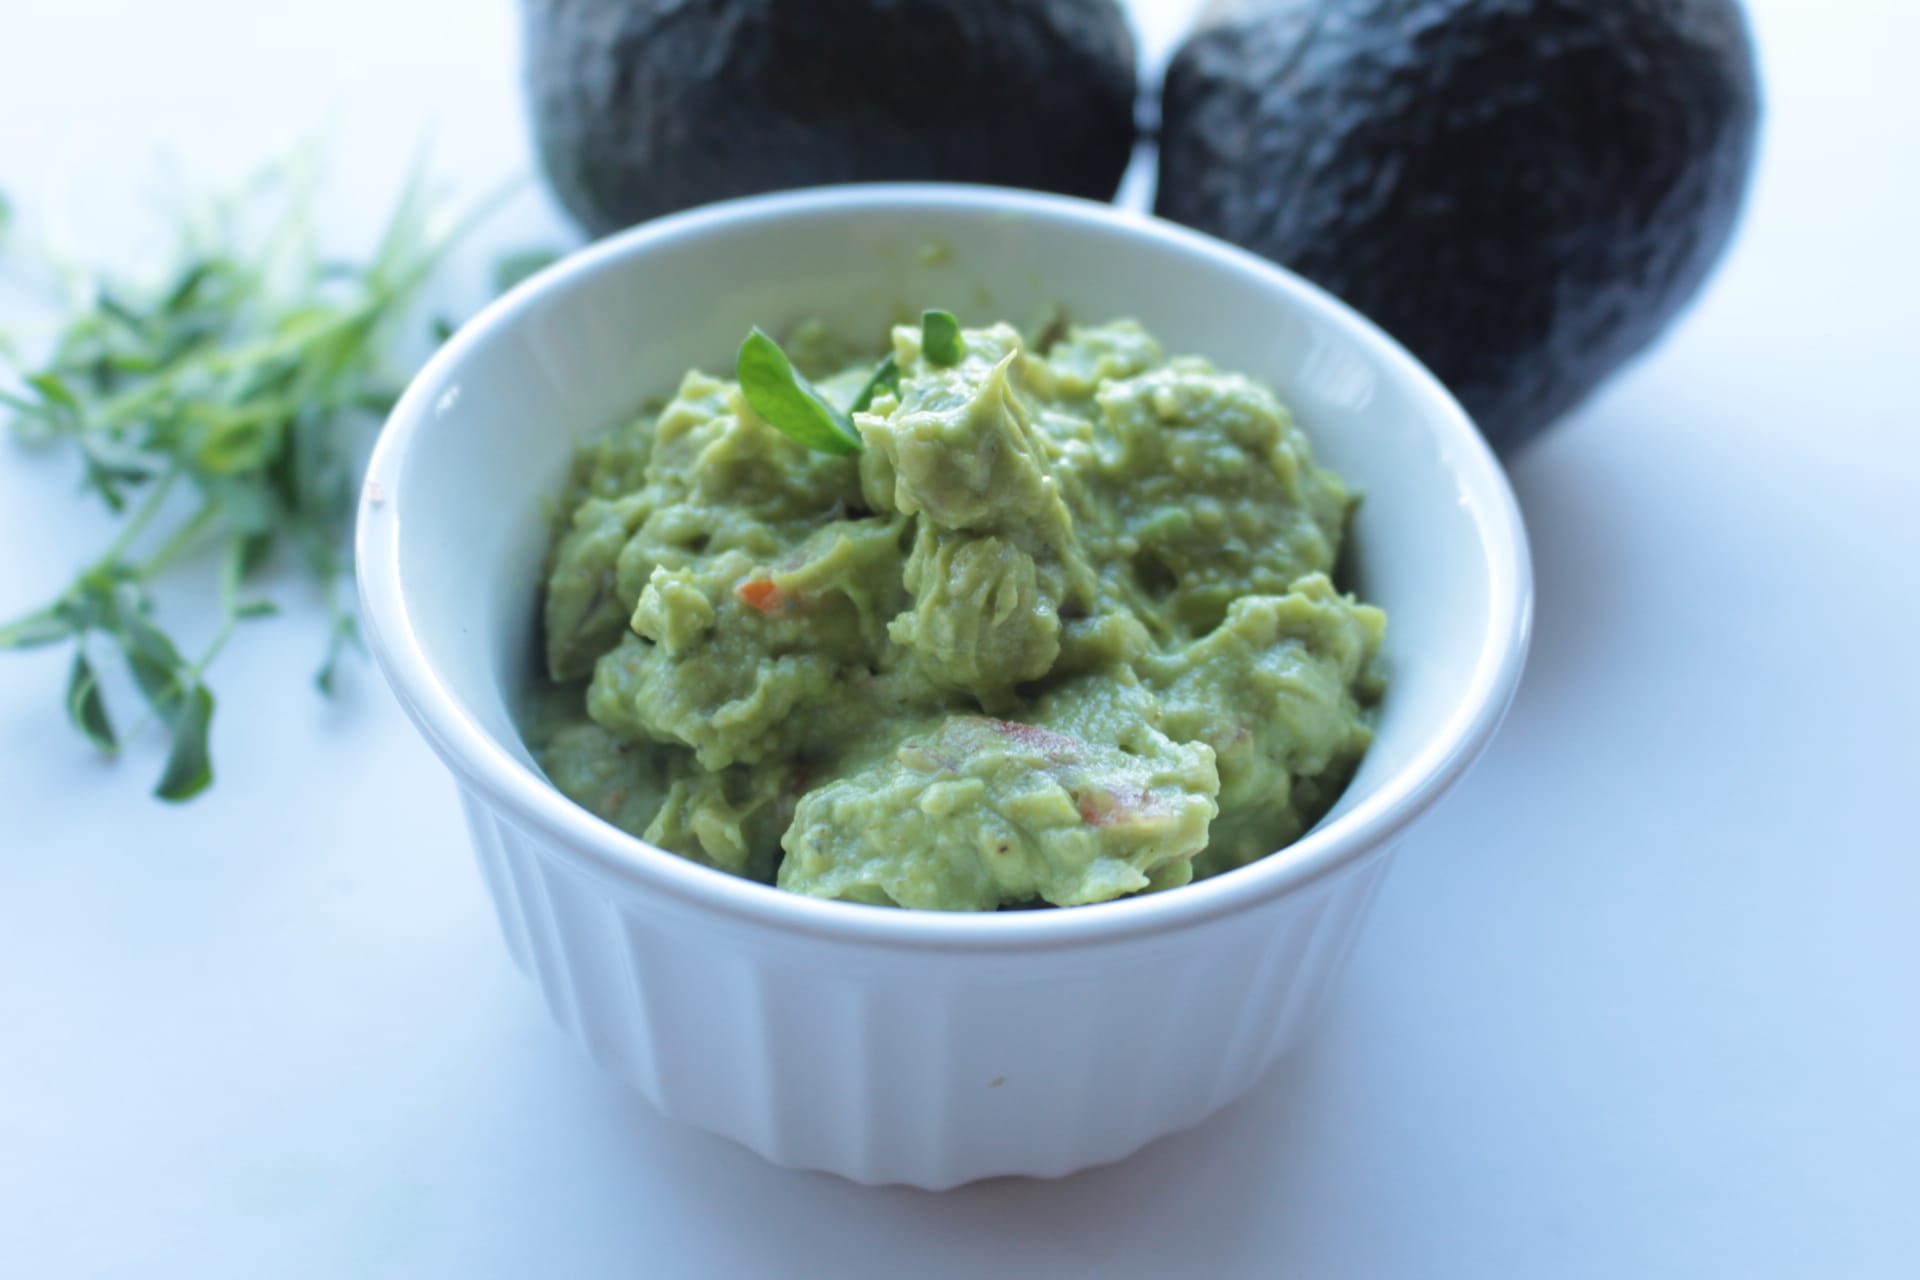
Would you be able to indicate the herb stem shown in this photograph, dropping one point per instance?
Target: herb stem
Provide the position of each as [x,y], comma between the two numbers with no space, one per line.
[182,539]
[137,523]
[230,569]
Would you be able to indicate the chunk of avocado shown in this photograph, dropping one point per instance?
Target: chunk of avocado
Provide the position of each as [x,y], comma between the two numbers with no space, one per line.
[1524,192]
[641,107]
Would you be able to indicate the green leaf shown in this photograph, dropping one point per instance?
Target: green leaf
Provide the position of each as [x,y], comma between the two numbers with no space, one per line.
[788,401]
[187,288]
[54,390]
[142,639]
[159,684]
[255,609]
[940,340]
[255,550]
[6,215]
[233,441]
[36,630]
[114,309]
[116,458]
[885,375]
[379,401]
[511,268]
[153,659]
[90,604]
[189,769]
[86,708]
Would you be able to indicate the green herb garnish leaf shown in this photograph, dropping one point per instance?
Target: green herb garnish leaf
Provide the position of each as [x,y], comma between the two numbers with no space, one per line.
[788,402]
[940,340]
[189,769]
[36,630]
[86,708]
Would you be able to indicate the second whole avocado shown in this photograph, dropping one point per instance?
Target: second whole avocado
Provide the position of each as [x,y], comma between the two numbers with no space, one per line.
[1523,192]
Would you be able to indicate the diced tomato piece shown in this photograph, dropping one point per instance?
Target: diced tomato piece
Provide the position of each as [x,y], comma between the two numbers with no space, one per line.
[762,594]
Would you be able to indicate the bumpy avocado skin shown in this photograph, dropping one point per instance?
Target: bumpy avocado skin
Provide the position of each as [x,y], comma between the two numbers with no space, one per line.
[642,107]
[1524,192]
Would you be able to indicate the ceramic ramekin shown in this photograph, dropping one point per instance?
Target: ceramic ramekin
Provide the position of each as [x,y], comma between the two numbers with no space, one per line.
[898,1046]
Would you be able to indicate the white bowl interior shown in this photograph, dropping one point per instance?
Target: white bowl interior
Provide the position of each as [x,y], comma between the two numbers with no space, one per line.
[497,417]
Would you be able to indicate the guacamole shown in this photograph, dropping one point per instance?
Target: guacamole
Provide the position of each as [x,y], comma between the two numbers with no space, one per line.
[1062,630]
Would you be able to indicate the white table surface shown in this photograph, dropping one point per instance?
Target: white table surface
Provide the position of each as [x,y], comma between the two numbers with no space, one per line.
[1641,1001]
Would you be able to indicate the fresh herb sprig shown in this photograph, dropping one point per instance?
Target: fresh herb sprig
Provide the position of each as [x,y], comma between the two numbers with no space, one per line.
[779,393]
[217,416]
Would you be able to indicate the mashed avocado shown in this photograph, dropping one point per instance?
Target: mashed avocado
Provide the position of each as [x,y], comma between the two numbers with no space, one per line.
[1061,631]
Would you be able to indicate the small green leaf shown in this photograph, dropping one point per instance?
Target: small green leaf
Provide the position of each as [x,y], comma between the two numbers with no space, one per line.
[255,551]
[255,609]
[788,402]
[183,293]
[43,627]
[53,388]
[150,643]
[159,684]
[379,401]
[511,268]
[130,616]
[885,375]
[940,340]
[90,603]
[239,440]
[6,215]
[111,307]
[86,708]
[152,658]
[124,462]
[189,769]
[441,328]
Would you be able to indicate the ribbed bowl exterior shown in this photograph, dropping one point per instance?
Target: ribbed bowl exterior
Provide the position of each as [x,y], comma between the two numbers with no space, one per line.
[930,1068]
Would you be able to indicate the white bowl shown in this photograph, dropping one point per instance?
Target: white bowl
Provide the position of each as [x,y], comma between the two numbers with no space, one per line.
[889,1045]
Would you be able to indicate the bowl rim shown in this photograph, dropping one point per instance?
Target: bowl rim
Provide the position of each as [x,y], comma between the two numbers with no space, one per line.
[529,801]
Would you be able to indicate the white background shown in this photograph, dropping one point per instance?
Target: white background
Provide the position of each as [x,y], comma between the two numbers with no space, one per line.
[1640,1001]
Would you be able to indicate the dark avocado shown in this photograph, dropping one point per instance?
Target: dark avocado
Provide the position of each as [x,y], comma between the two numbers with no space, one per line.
[1524,192]
[641,107]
